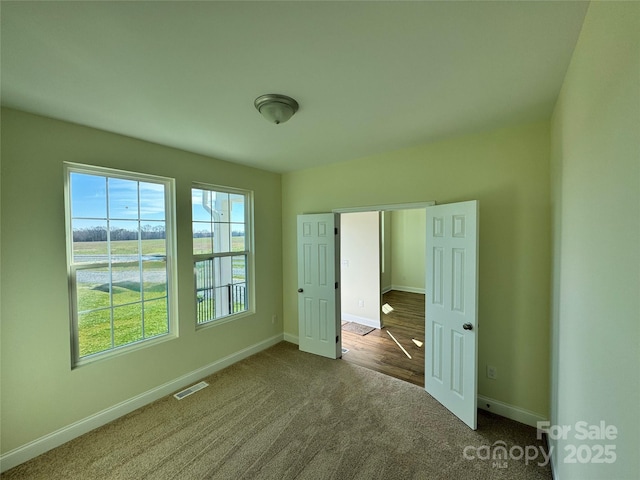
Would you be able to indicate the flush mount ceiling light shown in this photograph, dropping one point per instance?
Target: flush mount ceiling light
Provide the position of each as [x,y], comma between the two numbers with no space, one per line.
[276,108]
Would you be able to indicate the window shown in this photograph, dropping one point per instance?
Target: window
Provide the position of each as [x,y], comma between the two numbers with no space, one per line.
[119,242]
[221,251]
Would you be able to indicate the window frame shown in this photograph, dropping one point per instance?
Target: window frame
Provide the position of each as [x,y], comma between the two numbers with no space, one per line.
[248,252]
[73,267]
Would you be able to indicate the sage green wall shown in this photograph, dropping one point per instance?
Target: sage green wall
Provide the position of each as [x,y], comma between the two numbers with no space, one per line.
[596,257]
[408,237]
[508,172]
[40,392]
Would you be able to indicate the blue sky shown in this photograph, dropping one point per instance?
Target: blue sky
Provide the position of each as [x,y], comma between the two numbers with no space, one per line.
[89,198]
[89,201]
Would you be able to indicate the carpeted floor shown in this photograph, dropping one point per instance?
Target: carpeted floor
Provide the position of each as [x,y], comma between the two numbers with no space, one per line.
[284,414]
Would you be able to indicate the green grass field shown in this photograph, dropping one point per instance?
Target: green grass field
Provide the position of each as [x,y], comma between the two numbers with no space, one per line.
[122,247]
[149,247]
[124,301]
[94,326]
[204,245]
[97,304]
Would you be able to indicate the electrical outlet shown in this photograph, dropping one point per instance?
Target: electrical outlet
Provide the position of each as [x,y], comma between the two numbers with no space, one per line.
[492,372]
[274,317]
[361,303]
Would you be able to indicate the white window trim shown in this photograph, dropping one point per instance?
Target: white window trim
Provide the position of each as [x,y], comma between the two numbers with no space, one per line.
[249,240]
[171,261]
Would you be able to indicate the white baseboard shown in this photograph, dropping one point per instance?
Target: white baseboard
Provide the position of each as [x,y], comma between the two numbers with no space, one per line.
[43,444]
[288,337]
[386,289]
[347,317]
[509,411]
[405,288]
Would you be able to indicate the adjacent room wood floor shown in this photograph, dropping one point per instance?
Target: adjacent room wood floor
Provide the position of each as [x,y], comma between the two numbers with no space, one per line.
[377,351]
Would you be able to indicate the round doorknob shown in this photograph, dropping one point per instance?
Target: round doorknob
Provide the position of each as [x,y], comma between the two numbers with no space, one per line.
[467,326]
[300,290]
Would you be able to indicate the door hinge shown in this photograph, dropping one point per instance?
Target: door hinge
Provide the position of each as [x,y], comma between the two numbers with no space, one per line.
[336,285]
[337,338]
[335,231]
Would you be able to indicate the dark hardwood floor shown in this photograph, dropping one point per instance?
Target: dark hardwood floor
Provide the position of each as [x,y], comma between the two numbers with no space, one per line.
[377,351]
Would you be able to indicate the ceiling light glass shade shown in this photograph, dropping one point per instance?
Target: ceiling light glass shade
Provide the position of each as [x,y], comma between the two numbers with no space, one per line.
[276,108]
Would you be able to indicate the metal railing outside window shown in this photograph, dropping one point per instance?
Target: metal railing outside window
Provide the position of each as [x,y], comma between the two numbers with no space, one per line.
[221,249]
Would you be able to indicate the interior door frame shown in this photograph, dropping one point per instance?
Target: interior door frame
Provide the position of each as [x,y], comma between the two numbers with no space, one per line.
[389,207]
[381,208]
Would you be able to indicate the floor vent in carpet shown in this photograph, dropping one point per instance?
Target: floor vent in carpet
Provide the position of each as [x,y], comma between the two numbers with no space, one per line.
[192,389]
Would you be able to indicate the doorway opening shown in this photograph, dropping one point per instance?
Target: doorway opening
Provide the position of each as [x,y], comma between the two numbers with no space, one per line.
[382,278]
[451,244]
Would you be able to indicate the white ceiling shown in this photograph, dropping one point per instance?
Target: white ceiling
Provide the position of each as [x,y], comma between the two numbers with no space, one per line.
[369,76]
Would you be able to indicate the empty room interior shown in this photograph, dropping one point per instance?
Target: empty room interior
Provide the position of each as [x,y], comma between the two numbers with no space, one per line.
[180,186]
[382,288]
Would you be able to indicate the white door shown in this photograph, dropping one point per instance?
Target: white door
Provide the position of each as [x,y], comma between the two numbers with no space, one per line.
[452,308]
[318,294]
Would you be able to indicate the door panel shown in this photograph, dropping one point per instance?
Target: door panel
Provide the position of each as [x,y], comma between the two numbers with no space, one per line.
[318,297]
[452,308]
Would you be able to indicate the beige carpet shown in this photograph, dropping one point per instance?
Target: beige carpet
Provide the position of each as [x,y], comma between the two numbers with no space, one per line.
[283,414]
